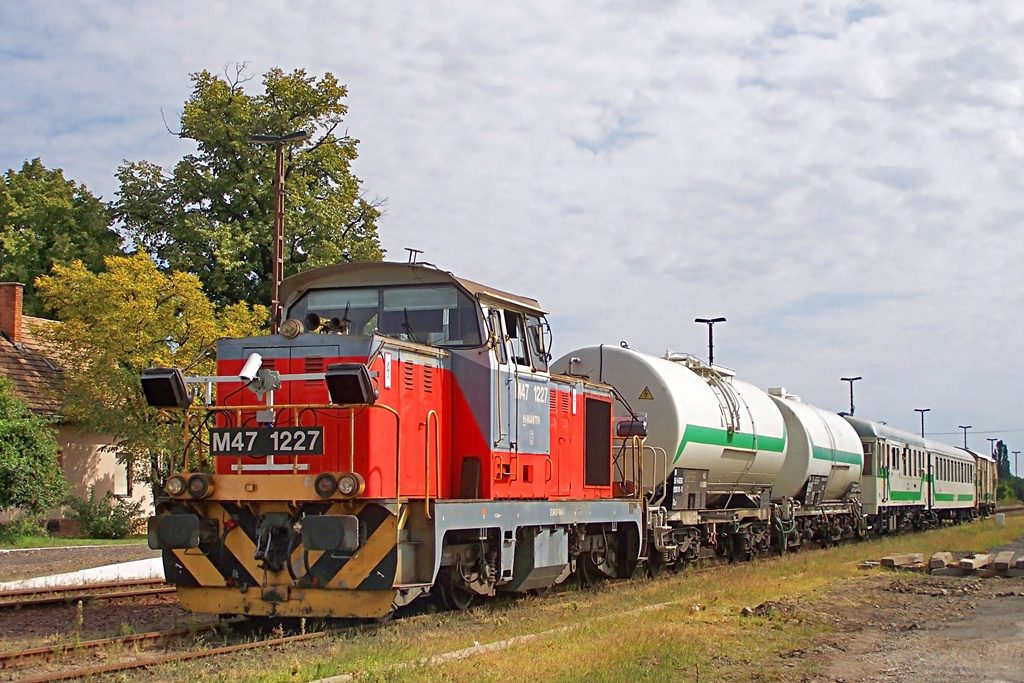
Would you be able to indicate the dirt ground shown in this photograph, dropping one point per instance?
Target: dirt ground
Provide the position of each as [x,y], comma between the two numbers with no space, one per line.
[906,626]
[915,627]
[27,564]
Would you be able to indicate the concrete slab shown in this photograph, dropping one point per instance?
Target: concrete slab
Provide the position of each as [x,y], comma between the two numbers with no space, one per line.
[900,560]
[977,562]
[1004,560]
[948,571]
[940,560]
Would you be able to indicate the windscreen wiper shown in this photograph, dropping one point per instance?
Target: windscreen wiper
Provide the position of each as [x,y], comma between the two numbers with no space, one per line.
[408,328]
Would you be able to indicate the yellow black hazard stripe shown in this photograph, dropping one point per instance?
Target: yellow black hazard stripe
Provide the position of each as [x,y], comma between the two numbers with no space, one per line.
[229,561]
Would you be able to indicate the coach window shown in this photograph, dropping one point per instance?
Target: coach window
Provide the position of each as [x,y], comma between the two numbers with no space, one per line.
[868,464]
[904,467]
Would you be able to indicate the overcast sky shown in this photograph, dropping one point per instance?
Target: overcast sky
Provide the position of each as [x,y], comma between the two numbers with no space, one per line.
[841,180]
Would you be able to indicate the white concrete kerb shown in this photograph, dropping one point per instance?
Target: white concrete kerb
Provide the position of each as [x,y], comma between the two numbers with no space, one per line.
[139,570]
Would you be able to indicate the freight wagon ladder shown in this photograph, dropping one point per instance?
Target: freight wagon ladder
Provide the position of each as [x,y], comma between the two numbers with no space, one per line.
[728,401]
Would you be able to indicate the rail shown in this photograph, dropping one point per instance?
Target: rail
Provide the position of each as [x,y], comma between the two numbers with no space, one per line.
[38,597]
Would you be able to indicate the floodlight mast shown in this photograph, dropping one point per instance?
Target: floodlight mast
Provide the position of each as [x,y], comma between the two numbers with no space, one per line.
[279,141]
[710,322]
[965,428]
[922,411]
[851,380]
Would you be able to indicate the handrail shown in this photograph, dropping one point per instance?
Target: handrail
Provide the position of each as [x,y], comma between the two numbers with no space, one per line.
[351,439]
[654,464]
[636,447]
[426,458]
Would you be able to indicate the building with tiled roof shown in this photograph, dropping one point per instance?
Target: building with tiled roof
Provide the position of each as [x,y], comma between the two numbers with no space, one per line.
[88,459]
[23,357]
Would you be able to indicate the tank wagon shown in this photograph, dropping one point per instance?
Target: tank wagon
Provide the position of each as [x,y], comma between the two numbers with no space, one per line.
[405,433]
[728,468]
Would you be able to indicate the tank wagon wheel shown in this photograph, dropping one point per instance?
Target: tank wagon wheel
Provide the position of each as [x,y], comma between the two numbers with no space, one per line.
[654,565]
[738,550]
[454,595]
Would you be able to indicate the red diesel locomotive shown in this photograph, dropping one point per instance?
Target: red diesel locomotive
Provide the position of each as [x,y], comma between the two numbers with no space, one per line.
[401,434]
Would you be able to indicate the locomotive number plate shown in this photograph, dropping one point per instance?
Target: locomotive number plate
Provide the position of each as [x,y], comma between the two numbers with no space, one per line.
[260,441]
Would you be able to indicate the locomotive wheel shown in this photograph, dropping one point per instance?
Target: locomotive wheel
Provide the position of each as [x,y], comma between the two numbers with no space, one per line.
[455,596]
[587,572]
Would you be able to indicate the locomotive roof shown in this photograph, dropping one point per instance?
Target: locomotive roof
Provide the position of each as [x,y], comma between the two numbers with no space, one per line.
[867,428]
[390,273]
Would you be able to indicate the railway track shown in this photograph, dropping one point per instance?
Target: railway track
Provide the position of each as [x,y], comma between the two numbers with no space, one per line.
[143,662]
[34,597]
[52,652]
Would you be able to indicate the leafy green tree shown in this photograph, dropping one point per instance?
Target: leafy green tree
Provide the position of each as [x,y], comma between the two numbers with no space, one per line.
[30,476]
[1002,456]
[46,219]
[212,216]
[120,322]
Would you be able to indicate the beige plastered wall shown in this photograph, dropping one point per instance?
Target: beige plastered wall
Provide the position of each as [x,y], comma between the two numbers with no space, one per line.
[90,459]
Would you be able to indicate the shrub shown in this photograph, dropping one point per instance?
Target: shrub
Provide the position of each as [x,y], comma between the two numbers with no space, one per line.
[30,477]
[16,530]
[108,517]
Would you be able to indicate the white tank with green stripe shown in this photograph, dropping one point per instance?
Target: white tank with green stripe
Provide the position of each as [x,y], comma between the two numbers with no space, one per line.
[819,443]
[698,417]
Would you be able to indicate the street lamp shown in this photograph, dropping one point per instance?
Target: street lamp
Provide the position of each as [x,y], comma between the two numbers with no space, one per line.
[922,411]
[992,446]
[710,322]
[279,141]
[851,380]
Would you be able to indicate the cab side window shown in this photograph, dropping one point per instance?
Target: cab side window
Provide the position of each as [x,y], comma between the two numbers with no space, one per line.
[535,332]
[515,327]
[496,336]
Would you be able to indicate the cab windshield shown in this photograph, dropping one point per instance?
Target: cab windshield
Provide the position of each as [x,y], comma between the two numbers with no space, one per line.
[439,315]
